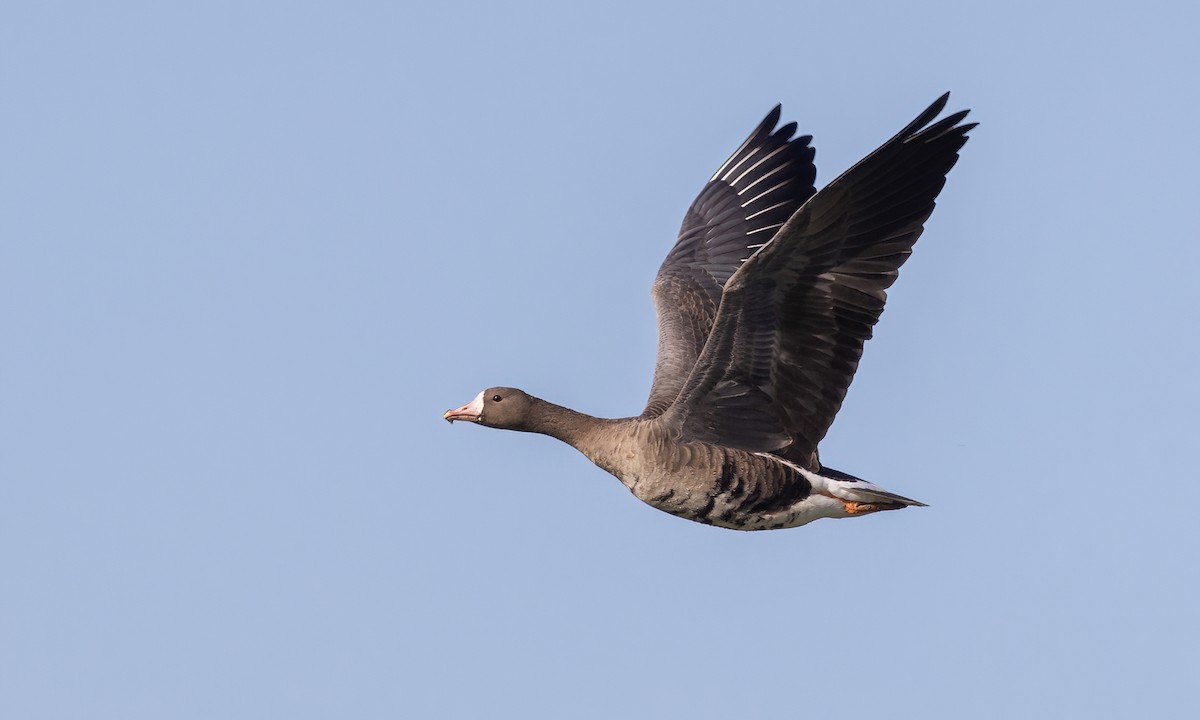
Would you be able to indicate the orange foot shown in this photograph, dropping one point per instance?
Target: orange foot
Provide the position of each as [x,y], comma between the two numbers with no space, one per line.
[855,508]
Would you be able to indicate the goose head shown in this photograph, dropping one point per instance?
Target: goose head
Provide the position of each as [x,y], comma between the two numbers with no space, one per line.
[498,407]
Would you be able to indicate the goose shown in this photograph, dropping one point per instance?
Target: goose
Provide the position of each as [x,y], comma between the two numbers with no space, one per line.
[764,304]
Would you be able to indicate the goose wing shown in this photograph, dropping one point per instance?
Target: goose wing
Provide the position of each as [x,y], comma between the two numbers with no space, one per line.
[745,202]
[792,320]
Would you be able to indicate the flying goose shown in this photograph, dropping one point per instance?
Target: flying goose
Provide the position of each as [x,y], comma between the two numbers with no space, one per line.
[764,304]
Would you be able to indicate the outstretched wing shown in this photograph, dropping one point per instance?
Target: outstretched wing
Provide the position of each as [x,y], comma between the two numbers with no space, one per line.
[744,203]
[793,319]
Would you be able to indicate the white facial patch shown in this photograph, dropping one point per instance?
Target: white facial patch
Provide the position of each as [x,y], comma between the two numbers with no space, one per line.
[475,407]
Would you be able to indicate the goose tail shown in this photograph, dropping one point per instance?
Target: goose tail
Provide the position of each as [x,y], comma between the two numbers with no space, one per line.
[857,495]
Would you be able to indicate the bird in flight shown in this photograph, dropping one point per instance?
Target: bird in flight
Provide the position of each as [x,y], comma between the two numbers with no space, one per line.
[763,304]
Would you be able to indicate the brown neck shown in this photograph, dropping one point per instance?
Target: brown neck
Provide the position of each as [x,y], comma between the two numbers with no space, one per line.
[559,422]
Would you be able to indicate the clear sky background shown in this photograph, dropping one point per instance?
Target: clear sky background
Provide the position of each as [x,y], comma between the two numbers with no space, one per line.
[249,252]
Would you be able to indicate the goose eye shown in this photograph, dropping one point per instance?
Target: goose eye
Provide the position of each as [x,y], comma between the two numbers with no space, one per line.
[496,398]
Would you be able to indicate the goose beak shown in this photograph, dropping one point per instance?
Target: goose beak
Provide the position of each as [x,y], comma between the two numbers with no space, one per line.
[471,412]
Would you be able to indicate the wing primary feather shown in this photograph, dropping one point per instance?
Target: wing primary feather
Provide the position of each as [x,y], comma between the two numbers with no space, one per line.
[768,122]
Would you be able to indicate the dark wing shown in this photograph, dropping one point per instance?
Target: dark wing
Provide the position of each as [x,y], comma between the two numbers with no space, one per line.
[744,203]
[793,319]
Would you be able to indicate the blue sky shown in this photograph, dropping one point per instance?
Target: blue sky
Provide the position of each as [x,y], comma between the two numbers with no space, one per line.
[249,253]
